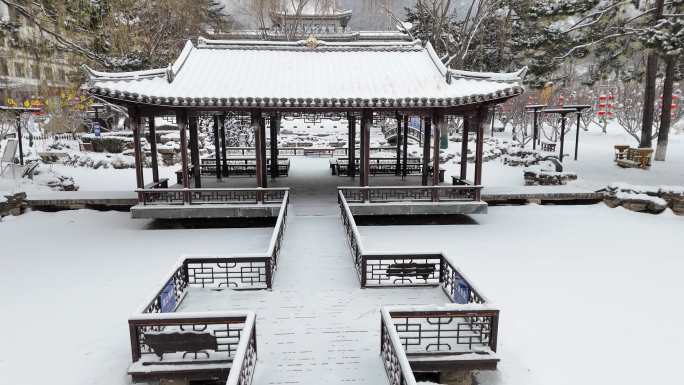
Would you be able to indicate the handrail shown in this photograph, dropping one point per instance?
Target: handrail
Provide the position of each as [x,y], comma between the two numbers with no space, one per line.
[406,372]
[247,340]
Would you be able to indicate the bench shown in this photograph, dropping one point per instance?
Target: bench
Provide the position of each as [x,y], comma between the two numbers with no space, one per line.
[621,151]
[457,181]
[243,166]
[548,147]
[377,166]
[636,158]
[163,183]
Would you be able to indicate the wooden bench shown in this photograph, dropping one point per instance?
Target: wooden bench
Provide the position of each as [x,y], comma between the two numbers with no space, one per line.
[163,183]
[548,147]
[377,166]
[636,158]
[243,166]
[457,181]
[621,151]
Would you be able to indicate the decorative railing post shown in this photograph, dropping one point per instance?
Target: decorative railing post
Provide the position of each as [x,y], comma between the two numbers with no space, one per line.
[269,275]
[364,267]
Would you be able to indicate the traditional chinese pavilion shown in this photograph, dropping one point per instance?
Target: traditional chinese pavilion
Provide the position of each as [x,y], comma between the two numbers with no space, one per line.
[262,81]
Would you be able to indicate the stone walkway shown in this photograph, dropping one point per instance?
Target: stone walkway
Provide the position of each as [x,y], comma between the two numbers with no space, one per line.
[316,326]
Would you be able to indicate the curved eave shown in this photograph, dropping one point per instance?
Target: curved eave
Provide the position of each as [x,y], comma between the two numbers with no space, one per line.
[332,103]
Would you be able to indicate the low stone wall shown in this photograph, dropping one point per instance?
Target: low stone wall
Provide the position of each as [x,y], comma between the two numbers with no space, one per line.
[648,199]
[541,177]
[13,204]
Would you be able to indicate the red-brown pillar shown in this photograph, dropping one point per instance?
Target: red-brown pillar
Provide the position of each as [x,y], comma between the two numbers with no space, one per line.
[366,122]
[398,137]
[217,147]
[275,127]
[153,148]
[194,150]
[464,147]
[222,119]
[264,159]
[405,149]
[134,119]
[182,122]
[480,120]
[438,127]
[258,144]
[427,127]
[351,145]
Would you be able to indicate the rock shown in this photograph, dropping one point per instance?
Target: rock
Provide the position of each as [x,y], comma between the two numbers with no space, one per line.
[535,176]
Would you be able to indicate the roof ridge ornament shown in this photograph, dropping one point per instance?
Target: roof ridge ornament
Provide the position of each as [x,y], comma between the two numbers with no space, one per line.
[169,73]
[312,42]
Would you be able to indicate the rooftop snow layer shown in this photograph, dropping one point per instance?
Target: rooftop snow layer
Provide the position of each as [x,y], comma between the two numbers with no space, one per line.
[239,73]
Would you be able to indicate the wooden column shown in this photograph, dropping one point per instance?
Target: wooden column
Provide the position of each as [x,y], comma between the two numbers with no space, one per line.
[464,147]
[405,149]
[217,147]
[480,120]
[427,128]
[366,122]
[258,139]
[438,127]
[182,121]
[134,119]
[398,138]
[194,151]
[153,148]
[275,124]
[262,148]
[579,120]
[562,138]
[21,144]
[223,144]
[351,145]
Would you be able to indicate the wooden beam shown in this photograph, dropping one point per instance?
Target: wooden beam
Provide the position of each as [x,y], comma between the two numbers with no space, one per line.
[194,151]
[217,147]
[182,121]
[153,148]
[427,128]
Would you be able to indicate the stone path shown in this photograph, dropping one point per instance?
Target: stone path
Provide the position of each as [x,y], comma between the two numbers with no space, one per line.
[316,326]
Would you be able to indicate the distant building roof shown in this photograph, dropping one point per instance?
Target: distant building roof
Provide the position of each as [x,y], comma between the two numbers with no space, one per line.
[306,74]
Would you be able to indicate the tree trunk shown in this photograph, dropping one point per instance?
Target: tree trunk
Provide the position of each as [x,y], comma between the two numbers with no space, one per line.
[666,112]
[649,88]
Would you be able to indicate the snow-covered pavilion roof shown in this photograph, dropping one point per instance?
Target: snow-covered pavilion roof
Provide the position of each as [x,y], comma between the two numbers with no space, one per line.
[305,74]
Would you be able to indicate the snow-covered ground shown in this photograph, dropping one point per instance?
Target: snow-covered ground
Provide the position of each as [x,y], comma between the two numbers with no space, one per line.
[587,294]
[70,281]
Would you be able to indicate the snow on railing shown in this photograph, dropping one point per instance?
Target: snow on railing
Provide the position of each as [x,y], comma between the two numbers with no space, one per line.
[454,332]
[388,194]
[198,196]
[465,329]
[163,338]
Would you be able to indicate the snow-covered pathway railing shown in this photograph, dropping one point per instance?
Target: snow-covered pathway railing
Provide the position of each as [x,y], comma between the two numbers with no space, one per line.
[388,194]
[303,151]
[181,345]
[462,333]
[390,268]
[199,196]
[413,338]
[167,344]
